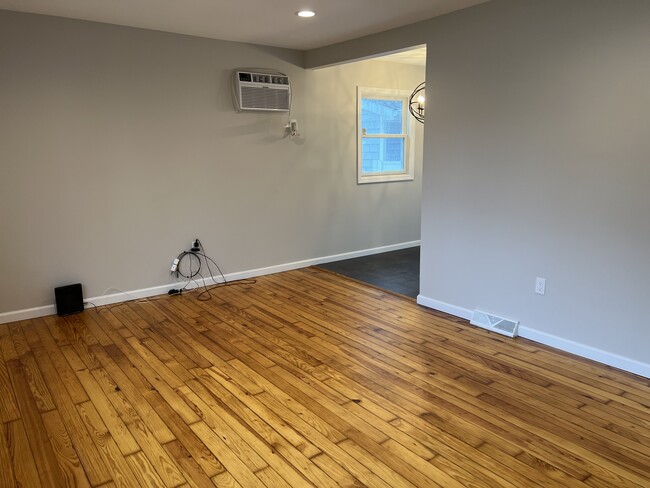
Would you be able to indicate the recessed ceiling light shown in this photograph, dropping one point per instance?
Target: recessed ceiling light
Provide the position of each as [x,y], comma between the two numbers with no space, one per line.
[305,13]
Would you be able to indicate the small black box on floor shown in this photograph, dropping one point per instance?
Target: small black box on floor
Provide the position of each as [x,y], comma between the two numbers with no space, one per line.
[69,299]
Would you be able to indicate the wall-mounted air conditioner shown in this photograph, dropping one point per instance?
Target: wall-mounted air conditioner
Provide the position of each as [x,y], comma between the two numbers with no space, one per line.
[261,90]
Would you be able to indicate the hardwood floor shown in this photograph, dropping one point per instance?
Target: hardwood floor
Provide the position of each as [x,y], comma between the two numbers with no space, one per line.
[306,378]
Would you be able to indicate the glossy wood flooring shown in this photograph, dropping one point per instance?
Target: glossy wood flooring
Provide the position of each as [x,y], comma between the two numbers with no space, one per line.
[306,379]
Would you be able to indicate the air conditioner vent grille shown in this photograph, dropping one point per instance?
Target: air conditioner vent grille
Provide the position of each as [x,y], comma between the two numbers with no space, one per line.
[264,98]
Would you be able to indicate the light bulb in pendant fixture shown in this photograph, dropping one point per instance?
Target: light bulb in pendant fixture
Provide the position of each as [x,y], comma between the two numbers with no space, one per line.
[416,103]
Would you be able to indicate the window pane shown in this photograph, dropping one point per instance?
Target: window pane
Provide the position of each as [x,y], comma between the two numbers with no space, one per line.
[382,155]
[381,116]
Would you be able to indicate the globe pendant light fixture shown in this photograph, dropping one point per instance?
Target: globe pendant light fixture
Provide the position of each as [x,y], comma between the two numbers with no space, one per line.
[416,103]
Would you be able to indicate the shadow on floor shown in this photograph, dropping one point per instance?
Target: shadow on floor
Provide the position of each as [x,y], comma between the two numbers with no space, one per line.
[396,271]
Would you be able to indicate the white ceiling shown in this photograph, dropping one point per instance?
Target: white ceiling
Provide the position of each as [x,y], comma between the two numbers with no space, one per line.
[268,22]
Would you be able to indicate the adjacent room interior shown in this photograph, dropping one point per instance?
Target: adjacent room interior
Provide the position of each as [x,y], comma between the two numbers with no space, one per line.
[202,205]
[396,270]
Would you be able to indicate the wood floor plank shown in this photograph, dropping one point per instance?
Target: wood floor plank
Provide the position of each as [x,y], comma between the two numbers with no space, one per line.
[239,440]
[235,466]
[269,425]
[186,356]
[271,478]
[143,470]
[59,361]
[284,404]
[616,463]
[490,419]
[39,389]
[109,415]
[437,438]
[56,326]
[144,377]
[529,465]
[226,480]
[46,464]
[118,381]
[69,463]
[592,428]
[230,427]
[275,348]
[388,476]
[8,406]
[19,341]
[195,476]
[300,392]
[306,378]
[90,457]
[187,439]
[24,466]
[95,325]
[284,421]
[336,471]
[7,475]
[161,461]
[165,372]
[73,358]
[7,346]
[121,472]
[80,339]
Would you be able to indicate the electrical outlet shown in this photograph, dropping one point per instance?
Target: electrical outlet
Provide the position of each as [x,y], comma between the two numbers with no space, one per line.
[540,286]
[292,127]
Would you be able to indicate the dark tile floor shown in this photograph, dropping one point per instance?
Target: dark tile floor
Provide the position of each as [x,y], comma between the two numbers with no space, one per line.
[396,271]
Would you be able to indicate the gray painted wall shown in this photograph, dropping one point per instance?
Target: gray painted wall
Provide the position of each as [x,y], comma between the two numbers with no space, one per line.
[331,123]
[537,163]
[119,145]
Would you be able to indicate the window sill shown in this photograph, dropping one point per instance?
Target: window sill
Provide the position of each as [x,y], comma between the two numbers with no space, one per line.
[386,178]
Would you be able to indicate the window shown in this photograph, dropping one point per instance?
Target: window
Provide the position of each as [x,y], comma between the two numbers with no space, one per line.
[385,136]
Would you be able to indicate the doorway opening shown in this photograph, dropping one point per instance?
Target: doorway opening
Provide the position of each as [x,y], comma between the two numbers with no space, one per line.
[398,269]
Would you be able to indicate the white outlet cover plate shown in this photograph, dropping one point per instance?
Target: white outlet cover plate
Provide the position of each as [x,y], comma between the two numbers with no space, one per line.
[540,286]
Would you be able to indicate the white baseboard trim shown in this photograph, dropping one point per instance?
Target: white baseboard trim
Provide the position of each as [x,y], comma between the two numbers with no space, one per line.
[359,254]
[463,313]
[608,358]
[566,345]
[28,313]
[32,313]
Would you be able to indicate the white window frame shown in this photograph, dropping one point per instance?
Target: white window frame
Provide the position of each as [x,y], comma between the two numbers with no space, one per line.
[408,136]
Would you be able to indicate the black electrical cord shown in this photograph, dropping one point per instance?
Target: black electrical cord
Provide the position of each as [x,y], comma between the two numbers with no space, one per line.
[205,294]
[201,296]
[190,277]
[183,255]
[208,260]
